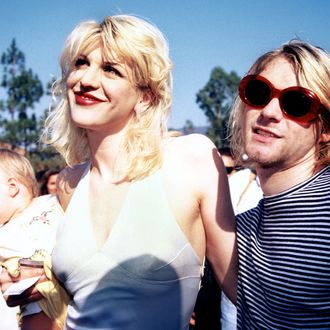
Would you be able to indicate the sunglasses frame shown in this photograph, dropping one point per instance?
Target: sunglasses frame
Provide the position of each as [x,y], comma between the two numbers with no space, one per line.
[312,114]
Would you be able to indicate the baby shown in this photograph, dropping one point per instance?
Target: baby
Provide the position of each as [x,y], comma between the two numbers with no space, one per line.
[28,226]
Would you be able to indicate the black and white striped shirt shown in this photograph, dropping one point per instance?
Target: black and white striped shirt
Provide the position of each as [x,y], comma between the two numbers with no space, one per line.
[284,259]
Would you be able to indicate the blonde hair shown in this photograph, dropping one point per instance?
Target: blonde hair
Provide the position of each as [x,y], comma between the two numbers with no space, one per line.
[16,165]
[312,67]
[141,47]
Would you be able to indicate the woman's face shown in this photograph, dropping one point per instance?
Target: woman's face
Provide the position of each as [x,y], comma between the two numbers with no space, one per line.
[51,184]
[101,96]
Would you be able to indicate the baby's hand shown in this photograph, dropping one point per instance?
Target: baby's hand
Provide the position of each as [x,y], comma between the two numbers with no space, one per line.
[29,295]
[12,266]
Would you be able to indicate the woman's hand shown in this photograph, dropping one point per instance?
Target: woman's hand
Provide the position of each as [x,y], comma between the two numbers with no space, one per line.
[30,294]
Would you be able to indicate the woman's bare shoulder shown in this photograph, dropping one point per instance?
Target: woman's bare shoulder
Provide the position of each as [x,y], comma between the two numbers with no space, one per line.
[67,182]
[196,146]
[193,157]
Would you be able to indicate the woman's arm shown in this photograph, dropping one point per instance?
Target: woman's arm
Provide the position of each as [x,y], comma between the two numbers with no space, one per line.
[217,215]
[38,321]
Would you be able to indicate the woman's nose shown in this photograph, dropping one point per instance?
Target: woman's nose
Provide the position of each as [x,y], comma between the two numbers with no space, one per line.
[90,78]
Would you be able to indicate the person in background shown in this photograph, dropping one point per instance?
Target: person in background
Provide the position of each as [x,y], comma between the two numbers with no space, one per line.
[142,208]
[245,193]
[48,182]
[245,190]
[281,121]
[28,227]
[228,160]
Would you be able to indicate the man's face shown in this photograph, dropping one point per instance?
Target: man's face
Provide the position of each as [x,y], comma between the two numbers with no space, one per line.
[270,138]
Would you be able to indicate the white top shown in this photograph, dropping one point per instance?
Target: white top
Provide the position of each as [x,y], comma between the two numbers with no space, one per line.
[245,190]
[146,275]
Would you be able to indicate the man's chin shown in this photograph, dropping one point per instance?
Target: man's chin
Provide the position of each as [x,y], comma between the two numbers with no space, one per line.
[261,160]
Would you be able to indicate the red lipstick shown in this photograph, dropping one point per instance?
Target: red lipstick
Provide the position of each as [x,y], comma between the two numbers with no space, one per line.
[86,99]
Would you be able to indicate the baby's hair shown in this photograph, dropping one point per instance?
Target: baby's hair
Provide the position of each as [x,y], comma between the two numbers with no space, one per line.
[15,165]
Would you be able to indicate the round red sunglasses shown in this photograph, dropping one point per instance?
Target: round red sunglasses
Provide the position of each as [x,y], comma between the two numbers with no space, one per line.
[297,103]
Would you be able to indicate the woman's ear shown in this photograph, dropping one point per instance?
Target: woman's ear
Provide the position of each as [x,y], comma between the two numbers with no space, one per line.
[13,186]
[143,103]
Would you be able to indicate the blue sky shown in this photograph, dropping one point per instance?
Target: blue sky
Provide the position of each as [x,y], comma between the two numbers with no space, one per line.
[202,34]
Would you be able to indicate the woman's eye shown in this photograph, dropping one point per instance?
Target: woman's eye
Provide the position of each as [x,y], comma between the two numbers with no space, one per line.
[80,62]
[110,69]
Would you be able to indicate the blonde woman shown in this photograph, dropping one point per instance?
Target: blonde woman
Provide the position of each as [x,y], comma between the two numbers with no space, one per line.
[141,207]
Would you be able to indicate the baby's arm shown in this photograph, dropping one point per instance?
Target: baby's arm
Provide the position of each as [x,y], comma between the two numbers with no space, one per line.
[29,295]
[33,321]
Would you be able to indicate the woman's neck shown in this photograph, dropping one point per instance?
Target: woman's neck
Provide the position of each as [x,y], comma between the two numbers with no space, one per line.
[106,153]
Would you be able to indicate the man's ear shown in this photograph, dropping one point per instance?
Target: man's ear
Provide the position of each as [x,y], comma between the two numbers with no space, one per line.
[13,186]
[325,137]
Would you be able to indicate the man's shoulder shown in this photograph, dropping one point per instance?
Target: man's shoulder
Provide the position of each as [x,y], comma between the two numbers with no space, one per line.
[321,179]
[325,171]
[254,212]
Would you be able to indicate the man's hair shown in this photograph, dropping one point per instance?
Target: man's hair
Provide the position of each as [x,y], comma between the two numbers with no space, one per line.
[15,165]
[312,68]
[143,49]
[225,151]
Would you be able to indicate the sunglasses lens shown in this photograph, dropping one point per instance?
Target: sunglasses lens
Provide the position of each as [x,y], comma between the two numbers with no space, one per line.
[296,103]
[299,103]
[257,93]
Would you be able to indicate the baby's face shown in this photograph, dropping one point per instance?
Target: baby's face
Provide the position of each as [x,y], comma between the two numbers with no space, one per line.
[5,200]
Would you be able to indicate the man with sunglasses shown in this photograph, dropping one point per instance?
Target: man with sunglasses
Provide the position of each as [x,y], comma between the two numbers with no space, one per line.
[281,121]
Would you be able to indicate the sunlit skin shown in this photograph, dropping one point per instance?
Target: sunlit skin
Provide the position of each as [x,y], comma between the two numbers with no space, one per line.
[100,93]
[5,214]
[10,205]
[275,142]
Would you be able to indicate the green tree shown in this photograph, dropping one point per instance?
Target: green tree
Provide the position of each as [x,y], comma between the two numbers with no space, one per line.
[23,89]
[216,99]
